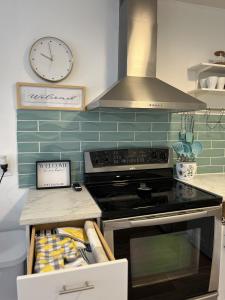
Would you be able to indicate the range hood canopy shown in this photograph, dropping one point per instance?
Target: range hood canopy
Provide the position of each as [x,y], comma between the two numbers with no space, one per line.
[138,86]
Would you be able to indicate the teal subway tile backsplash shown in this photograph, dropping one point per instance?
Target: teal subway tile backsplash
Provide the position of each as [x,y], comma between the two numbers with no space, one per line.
[27,126]
[209,135]
[210,169]
[79,116]
[98,145]
[27,180]
[30,158]
[116,136]
[150,136]
[212,153]
[203,161]
[79,136]
[26,168]
[117,117]
[73,156]
[55,135]
[135,126]
[98,126]
[218,161]
[38,136]
[152,117]
[37,115]
[218,144]
[28,147]
[59,147]
[134,144]
[58,126]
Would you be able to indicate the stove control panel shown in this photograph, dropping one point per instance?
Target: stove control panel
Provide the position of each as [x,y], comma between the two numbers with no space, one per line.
[123,157]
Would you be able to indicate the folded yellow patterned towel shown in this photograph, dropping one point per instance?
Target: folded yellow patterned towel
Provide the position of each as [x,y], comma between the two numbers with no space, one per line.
[78,234]
[53,251]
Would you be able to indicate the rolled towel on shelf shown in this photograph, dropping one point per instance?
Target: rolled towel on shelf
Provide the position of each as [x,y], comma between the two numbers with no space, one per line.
[95,243]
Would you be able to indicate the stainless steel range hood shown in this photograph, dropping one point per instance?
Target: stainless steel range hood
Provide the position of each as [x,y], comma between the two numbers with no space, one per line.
[138,86]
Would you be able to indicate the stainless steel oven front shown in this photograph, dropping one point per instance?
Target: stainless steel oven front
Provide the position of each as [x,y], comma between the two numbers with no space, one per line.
[172,256]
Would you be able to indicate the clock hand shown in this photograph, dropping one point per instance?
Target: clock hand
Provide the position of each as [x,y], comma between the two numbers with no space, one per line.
[50,50]
[46,56]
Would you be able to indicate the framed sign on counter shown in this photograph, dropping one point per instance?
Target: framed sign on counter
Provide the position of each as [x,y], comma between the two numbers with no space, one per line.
[53,174]
[43,96]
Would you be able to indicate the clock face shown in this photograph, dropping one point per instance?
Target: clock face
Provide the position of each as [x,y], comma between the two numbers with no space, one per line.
[51,59]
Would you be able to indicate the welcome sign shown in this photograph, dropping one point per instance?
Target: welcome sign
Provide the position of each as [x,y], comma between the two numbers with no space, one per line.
[53,174]
[50,97]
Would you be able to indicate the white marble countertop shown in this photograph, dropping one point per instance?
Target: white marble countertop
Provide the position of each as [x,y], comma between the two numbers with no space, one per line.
[58,205]
[214,183]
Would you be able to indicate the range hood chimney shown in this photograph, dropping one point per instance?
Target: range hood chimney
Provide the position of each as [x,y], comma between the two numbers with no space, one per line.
[137,86]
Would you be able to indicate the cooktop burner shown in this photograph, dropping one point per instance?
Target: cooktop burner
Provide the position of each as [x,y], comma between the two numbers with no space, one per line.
[130,182]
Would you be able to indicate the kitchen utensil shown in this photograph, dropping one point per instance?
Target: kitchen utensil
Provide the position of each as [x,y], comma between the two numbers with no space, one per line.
[196,148]
[178,148]
[182,132]
[187,149]
[212,82]
[182,149]
[189,128]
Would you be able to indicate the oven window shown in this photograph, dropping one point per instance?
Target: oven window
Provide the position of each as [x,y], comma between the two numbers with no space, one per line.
[170,261]
[164,257]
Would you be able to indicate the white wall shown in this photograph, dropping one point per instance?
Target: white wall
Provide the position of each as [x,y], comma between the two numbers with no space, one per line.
[188,34]
[89,27]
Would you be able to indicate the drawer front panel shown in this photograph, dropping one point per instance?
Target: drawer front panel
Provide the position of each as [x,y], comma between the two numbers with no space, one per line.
[94,282]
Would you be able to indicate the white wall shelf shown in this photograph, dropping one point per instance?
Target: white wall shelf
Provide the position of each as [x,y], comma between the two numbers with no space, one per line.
[214,98]
[209,67]
[203,92]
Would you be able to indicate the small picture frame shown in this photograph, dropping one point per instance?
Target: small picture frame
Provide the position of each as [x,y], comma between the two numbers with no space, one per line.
[53,174]
[42,96]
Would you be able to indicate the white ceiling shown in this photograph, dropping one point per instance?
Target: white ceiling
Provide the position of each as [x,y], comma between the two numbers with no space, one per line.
[212,3]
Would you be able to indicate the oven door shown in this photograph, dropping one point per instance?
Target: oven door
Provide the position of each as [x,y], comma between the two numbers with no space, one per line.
[171,256]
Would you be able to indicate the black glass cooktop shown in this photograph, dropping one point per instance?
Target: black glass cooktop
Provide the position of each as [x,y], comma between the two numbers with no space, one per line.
[125,199]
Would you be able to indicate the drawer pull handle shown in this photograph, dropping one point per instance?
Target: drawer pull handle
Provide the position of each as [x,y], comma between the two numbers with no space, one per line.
[86,287]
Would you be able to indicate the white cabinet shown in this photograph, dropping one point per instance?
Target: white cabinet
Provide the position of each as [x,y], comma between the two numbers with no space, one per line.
[99,281]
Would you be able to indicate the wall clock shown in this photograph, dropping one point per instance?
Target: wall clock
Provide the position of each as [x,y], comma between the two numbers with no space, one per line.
[51,59]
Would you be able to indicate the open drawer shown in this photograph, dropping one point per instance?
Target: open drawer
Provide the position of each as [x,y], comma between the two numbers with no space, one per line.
[99,281]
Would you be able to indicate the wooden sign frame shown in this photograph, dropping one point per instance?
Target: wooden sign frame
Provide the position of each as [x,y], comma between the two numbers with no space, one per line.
[41,96]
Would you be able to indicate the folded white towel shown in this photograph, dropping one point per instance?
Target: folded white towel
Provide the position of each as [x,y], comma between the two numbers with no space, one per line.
[95,243]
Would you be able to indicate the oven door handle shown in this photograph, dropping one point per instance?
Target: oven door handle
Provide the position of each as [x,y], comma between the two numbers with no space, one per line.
[155,220]
[162,218]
